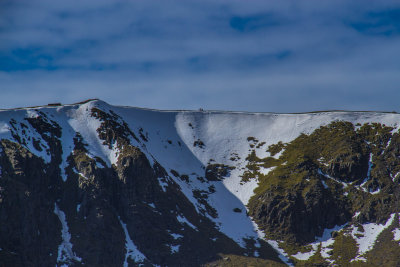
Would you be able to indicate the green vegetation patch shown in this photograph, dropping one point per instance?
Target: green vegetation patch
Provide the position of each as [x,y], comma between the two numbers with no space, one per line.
[345,249]
[217,172]
[321,179]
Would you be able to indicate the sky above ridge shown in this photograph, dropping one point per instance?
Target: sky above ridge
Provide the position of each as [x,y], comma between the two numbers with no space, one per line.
[279,56]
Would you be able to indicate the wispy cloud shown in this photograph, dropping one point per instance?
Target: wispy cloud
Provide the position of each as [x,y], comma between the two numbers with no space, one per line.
[260,56]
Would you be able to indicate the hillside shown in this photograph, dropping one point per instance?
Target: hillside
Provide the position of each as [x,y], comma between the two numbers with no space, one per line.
[99,185]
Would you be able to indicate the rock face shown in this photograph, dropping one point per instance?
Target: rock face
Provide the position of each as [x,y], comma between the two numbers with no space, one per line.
[321,180]
[95,185]
[96,213]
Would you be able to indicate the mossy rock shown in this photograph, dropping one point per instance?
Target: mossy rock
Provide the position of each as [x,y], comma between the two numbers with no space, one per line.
[304,192]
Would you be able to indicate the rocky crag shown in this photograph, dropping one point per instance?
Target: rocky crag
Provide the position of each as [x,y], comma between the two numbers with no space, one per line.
[91,184]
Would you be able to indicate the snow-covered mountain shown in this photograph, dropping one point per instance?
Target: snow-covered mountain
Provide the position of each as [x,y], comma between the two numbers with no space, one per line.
[99,185]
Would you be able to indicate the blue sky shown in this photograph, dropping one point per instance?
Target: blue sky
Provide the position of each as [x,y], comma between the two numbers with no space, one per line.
[280,56]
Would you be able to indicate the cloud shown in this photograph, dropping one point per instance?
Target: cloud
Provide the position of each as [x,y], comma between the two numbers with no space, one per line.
[384,22]
[254,22]
[259,56]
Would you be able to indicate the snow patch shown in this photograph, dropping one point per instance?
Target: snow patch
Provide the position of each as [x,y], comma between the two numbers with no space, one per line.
[174,249]
[323,161]
[304,256]
[81,121]
[366,240]
[281,253]
[375,192]
[396,234]
[325,241]
[32,114]
[394,176]
[4,128]
[65,253]
[163,184]
[265,171]
[131,250]
[184,220]
[370,164]
[176,236]
[99,165]
[79,173]
[332,178]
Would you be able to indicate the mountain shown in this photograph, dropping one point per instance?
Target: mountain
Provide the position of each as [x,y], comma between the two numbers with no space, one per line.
[90,184]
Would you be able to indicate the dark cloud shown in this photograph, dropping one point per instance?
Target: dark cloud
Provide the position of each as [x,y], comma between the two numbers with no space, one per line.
[385,22]
[255,22]
[258,55]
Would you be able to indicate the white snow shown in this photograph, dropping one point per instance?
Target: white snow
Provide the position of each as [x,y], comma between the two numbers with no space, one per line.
[163,184]
[184,220]
[176,236]
[4,128]
[359,258]
[304,256]
[370,164]
[99,165]
[356,214]
[396,234]
[220,144]
[65,253]
[394,176]
[174,249]
[375,192]
[223,133]
[30,113]
[332,178]
[67,137]
[264,171]
[396,231]
[79,173]
[131,250]
[281,253]
[325,241]
[366,240]
[82,122]
[322,161]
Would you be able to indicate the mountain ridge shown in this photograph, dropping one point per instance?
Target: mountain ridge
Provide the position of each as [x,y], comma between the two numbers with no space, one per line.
[198,170]
[59,104]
